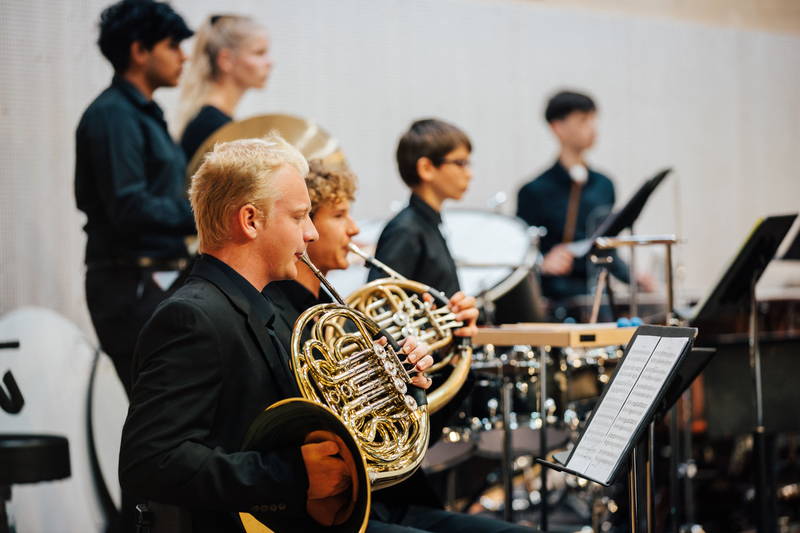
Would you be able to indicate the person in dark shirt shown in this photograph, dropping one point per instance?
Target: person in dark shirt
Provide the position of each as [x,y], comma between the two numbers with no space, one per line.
[129,177]
[570,200]
[231,56]
[433,160]
[410,506]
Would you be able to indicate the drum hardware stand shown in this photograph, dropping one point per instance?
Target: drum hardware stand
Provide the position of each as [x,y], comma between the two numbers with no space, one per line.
[507,469]
[607,243]
[600,286]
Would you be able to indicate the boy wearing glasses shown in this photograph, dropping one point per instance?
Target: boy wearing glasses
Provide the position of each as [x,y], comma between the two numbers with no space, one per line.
[433,160]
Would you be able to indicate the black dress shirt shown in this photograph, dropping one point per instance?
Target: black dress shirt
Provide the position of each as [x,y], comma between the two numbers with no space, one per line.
[207,364]
[544,202]
[129,178]
[208,120]
[413,245]
[290,300]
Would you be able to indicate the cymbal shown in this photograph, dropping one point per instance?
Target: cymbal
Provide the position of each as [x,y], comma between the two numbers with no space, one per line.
[312,141]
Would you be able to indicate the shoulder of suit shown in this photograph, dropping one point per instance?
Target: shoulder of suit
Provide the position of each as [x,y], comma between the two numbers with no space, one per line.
[198,299]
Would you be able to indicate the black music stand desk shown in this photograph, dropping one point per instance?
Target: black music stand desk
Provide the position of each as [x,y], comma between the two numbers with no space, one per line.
[619,431]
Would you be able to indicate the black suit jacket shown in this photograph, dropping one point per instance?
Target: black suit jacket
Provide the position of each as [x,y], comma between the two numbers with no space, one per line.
[205,366]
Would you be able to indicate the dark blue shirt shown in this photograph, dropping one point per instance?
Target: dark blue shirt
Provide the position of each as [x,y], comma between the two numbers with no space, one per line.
[129,178]
[412,244]
[544,202]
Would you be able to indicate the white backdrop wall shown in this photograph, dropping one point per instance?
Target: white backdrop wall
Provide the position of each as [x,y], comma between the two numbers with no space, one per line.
[719,105]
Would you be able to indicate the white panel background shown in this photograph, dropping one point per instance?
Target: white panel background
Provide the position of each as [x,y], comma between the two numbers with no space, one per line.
[720,105]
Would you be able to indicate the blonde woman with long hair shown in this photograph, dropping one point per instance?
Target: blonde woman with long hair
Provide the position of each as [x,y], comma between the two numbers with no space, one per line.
[231,56]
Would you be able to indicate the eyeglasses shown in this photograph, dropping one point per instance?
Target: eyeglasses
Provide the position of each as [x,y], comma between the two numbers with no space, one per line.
[463,163]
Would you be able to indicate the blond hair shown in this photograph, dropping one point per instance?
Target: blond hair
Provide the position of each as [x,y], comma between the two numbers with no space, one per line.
[233,175]
[329,184]
[218,32]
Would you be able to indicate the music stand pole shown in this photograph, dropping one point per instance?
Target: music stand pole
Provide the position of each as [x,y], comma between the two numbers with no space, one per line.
[765,491]
[669,319]
[543,434]
[634,289]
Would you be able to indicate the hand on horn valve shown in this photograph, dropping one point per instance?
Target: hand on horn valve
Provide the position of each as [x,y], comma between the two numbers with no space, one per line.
[464,308]
[417,354]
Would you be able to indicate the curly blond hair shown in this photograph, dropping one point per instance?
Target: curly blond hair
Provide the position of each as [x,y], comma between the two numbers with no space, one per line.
[329,184]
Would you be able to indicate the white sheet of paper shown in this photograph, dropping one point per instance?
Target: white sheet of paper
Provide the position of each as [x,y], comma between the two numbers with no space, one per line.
[164,279]
[640,377]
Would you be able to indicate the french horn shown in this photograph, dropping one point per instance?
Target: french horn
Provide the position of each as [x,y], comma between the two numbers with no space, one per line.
[397,304]
[340,365]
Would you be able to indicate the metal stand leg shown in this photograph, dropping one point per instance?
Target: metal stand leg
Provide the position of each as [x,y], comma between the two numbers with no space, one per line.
[5,496]
[675,455]
[543,433]
[639,490]
[650,477]
[689,467]
[765,489]
[507,468]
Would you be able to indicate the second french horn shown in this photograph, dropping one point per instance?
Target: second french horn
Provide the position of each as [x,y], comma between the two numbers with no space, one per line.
[398,305]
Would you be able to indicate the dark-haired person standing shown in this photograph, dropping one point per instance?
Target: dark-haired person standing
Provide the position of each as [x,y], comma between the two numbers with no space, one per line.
[569,199]
[129,177]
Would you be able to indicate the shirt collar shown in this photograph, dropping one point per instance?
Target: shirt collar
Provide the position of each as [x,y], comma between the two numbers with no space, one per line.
[300,297]
[563,174]
[135,96]
[423,209]
[259,305]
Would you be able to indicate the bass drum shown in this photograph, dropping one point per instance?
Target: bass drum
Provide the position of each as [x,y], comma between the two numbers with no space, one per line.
[494,254]
[70,390]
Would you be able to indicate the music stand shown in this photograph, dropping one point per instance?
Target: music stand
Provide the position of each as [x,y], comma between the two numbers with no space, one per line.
[736,290]
[793,253]
[621,219]
[620,430]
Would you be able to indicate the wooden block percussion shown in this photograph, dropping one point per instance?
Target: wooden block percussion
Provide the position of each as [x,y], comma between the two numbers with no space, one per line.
[554,334]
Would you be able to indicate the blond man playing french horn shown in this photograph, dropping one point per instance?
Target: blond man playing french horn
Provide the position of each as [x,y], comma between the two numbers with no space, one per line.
[210,360]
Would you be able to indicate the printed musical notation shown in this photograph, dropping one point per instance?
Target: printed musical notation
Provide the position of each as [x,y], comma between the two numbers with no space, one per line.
[642,374]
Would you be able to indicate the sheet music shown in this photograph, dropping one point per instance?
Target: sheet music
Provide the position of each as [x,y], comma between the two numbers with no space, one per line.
[638,381]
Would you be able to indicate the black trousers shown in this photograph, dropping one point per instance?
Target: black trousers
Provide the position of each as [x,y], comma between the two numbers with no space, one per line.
[120,301]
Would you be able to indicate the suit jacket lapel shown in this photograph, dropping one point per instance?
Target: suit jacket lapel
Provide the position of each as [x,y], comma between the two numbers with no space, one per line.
[272,355]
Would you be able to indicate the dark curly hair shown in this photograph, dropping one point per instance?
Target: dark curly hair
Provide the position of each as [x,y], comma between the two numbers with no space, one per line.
[145,21]
[329,184]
